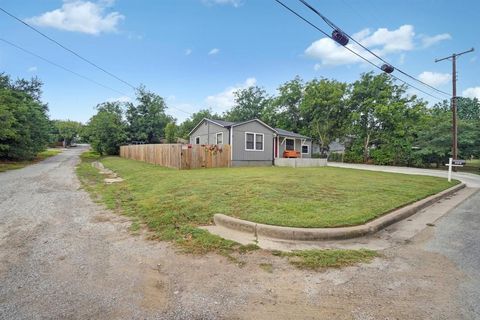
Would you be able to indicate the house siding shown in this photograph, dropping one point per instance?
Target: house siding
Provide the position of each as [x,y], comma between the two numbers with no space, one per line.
[239,153]
[207,132]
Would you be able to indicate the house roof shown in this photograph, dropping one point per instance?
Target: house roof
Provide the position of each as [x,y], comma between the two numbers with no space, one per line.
[286,133]
[227,124]
[221,122]
[256,120]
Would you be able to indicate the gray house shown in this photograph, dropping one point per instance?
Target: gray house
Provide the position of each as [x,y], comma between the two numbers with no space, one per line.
[253,142]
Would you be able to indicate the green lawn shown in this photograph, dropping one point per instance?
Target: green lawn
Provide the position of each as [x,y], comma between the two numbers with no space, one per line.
[472,166]
[173,203]
[11,165]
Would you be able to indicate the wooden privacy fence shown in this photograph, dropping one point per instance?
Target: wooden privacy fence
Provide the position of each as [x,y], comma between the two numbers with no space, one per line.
[180,156]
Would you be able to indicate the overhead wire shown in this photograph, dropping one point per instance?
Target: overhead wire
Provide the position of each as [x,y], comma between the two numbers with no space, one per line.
[351,50]
[77,55]
[67,49]
[333,26]
[62,67]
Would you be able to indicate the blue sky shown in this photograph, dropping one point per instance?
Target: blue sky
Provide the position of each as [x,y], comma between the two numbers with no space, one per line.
[195,53]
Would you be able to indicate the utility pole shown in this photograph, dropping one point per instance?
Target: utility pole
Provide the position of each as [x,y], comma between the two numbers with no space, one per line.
[454,99]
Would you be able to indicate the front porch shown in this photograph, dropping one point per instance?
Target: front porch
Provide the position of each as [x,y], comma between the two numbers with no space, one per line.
[292,147]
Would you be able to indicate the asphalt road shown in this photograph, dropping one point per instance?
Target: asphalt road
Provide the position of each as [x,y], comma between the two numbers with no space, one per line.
[64,257]
[457,236]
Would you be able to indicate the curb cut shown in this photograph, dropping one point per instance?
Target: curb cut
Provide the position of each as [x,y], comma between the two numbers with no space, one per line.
[306,234]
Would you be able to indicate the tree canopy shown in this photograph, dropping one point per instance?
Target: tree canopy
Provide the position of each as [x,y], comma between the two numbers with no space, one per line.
[24,124]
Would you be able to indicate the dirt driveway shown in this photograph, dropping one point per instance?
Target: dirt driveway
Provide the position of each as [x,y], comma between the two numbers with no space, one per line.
[64,257]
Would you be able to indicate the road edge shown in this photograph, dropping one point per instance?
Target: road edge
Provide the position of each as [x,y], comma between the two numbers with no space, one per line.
[311,234]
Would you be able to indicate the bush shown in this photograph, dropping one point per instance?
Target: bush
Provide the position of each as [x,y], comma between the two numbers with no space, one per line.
[381,157]
[90,155]
[353,157]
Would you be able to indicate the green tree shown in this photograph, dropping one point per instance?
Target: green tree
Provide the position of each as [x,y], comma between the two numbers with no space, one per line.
[325,111]
[107,130]
[386,120]
[250,103]
[186,126]
[147,118]
[468,109]
[24,125]
[171,132]
[286,110]
[65,131]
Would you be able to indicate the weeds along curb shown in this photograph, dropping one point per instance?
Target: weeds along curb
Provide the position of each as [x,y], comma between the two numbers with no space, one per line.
[293,233]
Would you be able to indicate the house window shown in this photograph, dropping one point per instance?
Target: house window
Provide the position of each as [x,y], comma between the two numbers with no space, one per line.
[305,149]
[254,141]
[197,140]
[219,138]
[259,142]
[290,144]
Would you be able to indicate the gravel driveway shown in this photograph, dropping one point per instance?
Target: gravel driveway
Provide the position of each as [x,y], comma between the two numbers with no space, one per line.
[64,257]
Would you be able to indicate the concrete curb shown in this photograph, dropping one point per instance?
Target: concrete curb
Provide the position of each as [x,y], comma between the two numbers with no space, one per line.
[292,233]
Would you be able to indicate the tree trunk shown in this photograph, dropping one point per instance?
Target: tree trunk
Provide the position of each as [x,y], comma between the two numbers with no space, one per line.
[365,148]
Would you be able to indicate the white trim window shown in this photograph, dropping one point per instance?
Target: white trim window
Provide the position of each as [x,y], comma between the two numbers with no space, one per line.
[289,145]
[254,141]
[197,140]
[219,138]
[305,149]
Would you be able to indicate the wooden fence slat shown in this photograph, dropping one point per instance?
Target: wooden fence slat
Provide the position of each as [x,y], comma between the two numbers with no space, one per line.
[179,156]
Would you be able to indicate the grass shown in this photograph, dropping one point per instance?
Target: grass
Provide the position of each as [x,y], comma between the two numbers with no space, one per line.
[173,203]
[327,258]
[12,165]
[472,166]
[127,198]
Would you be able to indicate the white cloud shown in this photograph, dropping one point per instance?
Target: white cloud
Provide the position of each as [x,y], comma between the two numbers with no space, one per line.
[330,53]
[226,98]
[434,79]
[386,41]
[428,41]
[382,42]
[214,51]
[473,92]
[234,3]
[81,16]
[188,52]
[32,69]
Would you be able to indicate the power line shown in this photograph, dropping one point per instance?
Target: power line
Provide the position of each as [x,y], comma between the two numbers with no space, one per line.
[75,54]
[333,26]
[62,67]
[67,49]
[76,73]
[352,51]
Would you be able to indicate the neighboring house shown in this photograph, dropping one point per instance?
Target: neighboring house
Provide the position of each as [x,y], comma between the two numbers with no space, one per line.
[252,142]
[334,147]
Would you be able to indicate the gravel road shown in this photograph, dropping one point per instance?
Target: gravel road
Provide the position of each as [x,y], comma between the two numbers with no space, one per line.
[64,257]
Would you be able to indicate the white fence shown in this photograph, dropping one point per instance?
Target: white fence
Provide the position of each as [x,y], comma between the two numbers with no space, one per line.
[300,162]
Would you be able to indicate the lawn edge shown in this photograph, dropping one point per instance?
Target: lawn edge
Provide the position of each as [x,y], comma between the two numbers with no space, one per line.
[17,165]
[296,233]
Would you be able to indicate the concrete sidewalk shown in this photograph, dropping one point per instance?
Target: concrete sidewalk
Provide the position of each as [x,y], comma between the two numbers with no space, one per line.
[470,179]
